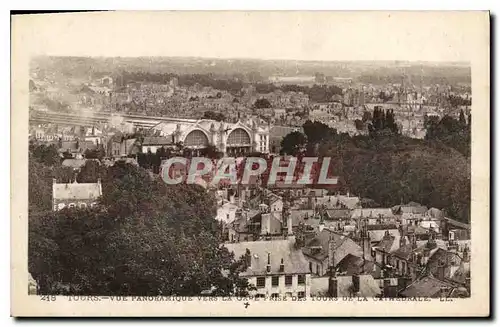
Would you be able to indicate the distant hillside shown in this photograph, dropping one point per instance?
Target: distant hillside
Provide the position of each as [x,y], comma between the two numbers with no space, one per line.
[255,70]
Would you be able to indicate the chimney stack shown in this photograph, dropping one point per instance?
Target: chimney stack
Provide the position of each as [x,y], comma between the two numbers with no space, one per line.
[282,265]
[268,267]
[355,284]
[466,254]
[443,291]
[248,258]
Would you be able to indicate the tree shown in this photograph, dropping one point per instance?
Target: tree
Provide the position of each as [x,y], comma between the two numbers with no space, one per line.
[383,123]
[144,238]
[391,169]
[97,153]
[293,143]
[91,172]
[451,132]
[47,155]
[317,132]
[211,152]
[214,116]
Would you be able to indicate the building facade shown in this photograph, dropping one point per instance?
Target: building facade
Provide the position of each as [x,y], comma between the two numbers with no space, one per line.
[75,195]
[231,139]
[276,268]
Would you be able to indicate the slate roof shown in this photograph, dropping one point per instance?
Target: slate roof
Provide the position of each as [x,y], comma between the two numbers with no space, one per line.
[338,213]
[372,213]
[417,230]
[342,246]
[352,264]
[293,259]
[462,273]
[351,202]
[386,244]
[428,286]
[378,235]
[298,216]
[457,223]
[74,163]
[445,256]
[410,209]
[404,252]
[76,191]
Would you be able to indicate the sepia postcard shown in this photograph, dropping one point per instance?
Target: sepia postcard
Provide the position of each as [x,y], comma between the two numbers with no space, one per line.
[251,163]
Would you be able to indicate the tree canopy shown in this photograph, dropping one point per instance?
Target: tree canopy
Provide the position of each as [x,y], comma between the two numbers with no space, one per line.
[144,238]
[293,143]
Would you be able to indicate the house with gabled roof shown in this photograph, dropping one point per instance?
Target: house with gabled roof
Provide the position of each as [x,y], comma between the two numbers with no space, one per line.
[317,250]
[277,268]
[75,195]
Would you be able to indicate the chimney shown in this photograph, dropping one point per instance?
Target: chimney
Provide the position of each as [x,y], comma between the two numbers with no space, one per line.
[355,284]
[289,224]
[466,254]
[333,287]
[282,266]
[248,258]
[321,226]
[441,270]
[402,241]
[387,287]
[413,241]
[426,255]
[54,181]
[268,267]
[443,292]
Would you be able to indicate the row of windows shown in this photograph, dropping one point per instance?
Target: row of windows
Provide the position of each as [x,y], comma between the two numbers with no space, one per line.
[81,205]
[275,280]
[318,268]
[300,295]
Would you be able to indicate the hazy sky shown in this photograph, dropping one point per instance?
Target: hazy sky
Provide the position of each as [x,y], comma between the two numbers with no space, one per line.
[424,36]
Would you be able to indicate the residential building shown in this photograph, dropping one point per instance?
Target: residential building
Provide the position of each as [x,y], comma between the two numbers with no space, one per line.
[75,195]
[276,268]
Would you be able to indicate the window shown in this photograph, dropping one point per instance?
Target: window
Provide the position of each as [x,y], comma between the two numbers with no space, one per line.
[276,280]
[275,296]
[288,280]
[310,267]
[301,279]
[317,269]
[71,205]
[238,137]
[261,282]
[260,296]
[196,138]
[301,295]
[83,205]
[288,294]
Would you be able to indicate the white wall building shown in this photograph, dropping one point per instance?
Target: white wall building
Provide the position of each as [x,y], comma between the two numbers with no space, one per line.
[276,268]
[231,139]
